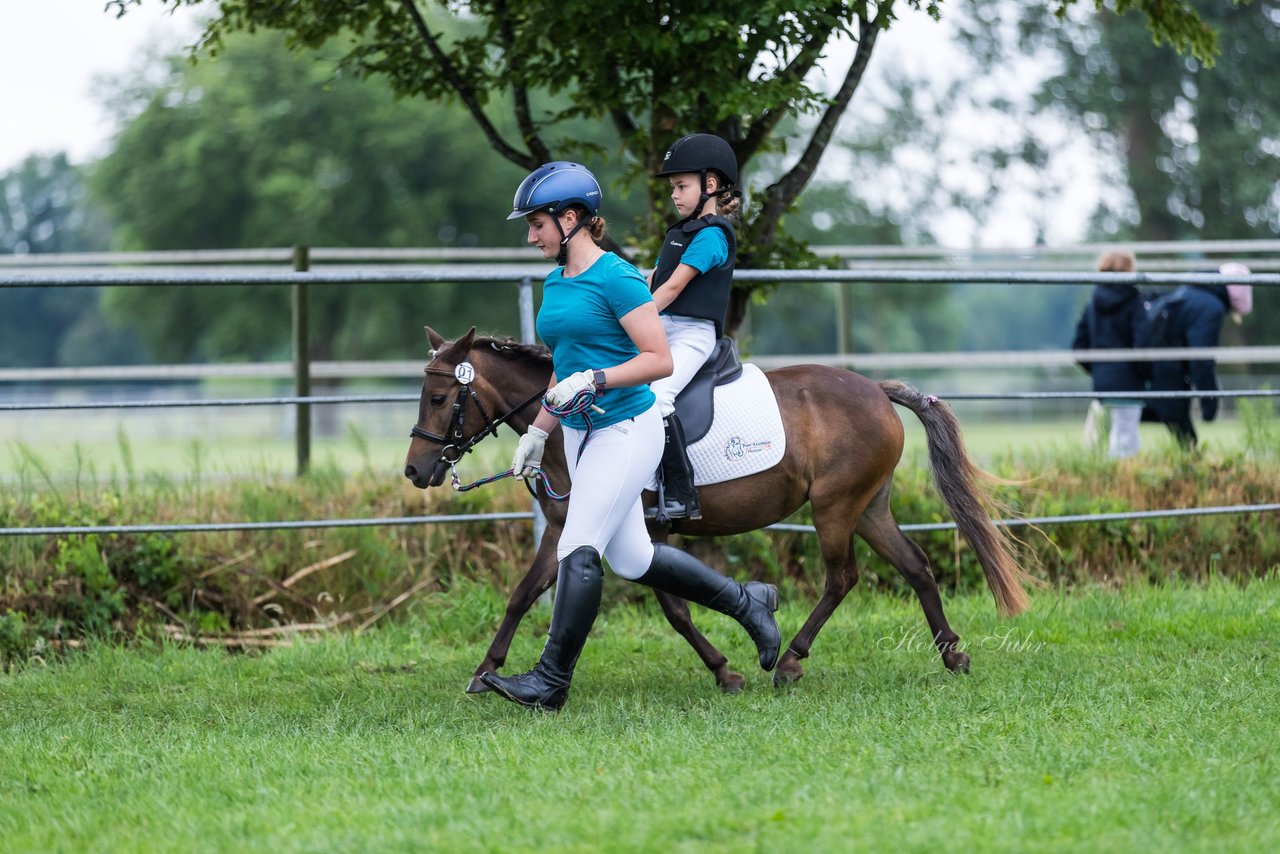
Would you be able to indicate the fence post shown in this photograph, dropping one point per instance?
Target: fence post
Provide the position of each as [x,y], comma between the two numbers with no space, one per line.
[529,336]
[302,358]
[844,323]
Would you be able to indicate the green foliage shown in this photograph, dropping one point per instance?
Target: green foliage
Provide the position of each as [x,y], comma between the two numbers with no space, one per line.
[91,594]
[652,73]
[43,208]
[16,638]
[1261,429]
[532,74]
[271,149]
[78,586]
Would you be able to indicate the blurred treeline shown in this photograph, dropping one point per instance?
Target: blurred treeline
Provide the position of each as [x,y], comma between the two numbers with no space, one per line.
[266,147]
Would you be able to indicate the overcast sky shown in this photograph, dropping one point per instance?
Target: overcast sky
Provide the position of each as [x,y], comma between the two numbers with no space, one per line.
[51,52]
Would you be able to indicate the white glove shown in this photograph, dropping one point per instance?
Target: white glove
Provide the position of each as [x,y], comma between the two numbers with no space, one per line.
[529,452]
[563,391]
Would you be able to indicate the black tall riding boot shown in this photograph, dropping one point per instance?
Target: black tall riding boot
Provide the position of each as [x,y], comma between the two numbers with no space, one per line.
[752,604]
[577,602]
[680,496]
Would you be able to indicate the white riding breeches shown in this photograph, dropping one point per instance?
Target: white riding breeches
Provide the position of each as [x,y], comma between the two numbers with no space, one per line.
[604,504]
[1124,440]
[692,340]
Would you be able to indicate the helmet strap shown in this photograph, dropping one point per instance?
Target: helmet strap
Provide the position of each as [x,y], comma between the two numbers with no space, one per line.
[702,200]
[563,257]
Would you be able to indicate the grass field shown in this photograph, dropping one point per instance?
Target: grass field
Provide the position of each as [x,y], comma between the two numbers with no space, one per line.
[1103,720]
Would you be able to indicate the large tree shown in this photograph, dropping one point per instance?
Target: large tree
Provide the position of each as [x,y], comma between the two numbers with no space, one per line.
[1193,144]
[43,208]
[267,148]
[653,70]
[1198,141]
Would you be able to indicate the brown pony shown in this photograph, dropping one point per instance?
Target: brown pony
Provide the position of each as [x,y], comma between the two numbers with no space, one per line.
[843,441]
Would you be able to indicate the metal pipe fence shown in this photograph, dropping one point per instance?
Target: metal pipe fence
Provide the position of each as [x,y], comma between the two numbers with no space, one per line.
[515,273]
[221,527]
[413,398]
[523,274]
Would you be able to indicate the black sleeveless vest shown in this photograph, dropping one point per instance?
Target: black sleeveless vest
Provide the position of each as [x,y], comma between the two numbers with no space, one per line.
[707,295]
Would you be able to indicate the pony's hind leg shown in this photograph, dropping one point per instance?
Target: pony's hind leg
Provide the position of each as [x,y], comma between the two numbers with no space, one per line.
[878,527]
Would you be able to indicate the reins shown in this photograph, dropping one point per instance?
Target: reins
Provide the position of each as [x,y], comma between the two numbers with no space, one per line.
[456,442]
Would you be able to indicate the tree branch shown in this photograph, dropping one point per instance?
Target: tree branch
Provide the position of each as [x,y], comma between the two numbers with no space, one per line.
[465,93]
[795,71]
[520,92]
[623,122]
[782,194]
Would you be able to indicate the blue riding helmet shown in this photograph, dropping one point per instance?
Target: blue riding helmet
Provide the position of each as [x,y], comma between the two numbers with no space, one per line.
[555,186]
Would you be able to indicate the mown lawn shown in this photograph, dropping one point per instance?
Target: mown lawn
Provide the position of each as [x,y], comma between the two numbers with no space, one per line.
[1103,721]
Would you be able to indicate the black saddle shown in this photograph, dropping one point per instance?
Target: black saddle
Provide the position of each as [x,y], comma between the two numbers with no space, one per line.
[695,405]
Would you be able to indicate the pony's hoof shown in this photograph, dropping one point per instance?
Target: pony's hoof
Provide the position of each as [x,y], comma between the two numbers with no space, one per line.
[475,686]
[788,673]
[731,683]
[956,661]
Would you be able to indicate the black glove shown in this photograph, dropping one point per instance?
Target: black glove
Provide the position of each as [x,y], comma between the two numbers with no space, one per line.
[1209,408]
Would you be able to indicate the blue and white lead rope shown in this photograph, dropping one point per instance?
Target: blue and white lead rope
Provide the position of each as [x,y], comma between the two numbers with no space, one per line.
[581,402]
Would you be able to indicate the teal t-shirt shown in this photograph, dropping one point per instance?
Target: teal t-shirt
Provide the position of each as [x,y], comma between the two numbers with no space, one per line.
[579,322]
[708,250]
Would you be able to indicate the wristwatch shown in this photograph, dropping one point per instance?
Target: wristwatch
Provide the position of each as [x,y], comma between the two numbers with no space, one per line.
[597,377]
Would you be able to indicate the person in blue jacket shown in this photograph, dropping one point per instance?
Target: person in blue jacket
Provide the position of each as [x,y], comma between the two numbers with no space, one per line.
[1111,321]
[1196,321]
[599,320]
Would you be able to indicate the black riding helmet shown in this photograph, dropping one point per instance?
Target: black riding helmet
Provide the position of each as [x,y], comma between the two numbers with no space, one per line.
[700,153]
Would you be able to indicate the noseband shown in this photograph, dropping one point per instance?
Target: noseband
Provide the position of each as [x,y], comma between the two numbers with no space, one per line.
[456,441]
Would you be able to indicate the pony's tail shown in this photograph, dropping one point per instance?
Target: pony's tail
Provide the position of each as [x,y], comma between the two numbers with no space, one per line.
[971,505]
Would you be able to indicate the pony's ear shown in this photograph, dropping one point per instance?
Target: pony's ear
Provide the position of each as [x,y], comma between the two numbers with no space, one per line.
[463,344]
[434,337]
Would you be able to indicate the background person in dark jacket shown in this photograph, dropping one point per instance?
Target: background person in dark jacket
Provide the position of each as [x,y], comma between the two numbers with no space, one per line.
[1196,322]
[1109,322]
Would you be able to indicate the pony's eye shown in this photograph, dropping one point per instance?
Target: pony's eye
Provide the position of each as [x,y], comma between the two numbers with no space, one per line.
[437,400]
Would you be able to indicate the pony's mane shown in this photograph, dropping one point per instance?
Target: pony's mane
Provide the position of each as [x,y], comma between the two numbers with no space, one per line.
[509,348]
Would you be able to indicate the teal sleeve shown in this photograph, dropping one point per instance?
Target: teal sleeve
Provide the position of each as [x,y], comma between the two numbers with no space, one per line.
[627,291]
[708,250]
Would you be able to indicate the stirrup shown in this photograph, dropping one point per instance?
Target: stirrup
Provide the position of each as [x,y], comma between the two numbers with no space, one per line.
[677,510]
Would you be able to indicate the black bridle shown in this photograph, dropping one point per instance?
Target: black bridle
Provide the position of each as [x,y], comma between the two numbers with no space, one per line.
[456,440]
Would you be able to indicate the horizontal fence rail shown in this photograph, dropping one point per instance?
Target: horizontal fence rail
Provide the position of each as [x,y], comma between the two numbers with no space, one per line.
[506,275]
[522,271]
[881,361]
[1188,253]
[219,527]
[414,398]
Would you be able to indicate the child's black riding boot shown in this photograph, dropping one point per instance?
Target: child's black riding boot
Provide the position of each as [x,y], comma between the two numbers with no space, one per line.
[577,602]
[680,496]
[752,604]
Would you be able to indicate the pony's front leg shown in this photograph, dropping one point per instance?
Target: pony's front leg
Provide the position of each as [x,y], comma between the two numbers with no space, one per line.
[537,580]
[676,611]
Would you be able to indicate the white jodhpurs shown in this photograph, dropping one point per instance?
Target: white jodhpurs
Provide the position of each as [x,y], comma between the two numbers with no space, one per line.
[1124,430]
[692,340]
[604,505]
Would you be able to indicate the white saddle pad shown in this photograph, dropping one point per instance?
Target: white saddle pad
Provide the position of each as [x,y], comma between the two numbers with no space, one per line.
[746,436]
